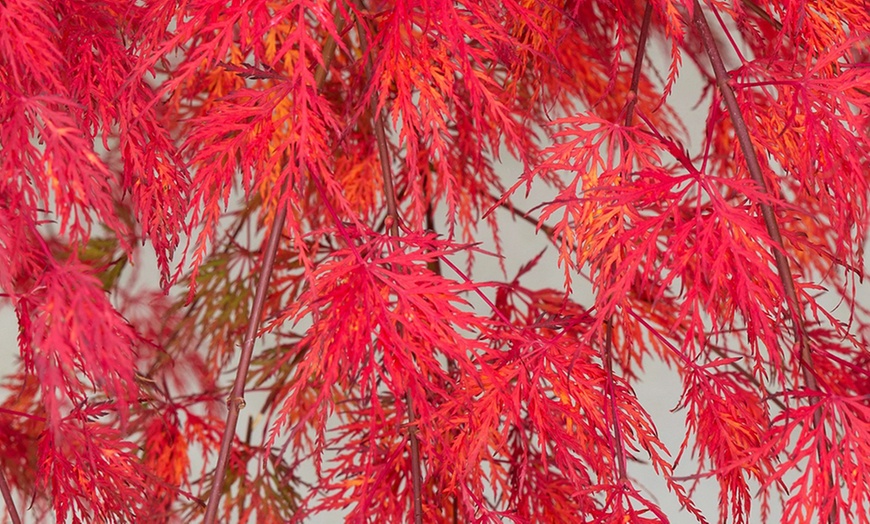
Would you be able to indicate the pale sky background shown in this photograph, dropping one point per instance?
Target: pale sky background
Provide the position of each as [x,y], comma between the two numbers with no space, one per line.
[660,388]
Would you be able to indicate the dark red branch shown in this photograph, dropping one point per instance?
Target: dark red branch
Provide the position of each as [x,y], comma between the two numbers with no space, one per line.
[614,409]
[393,225]
[7,497]
[767,211]
[236,400]
[638,63]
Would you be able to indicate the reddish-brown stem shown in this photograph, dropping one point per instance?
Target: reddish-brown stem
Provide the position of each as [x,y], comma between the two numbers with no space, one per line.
[236,399]
[524,215]
[607,356]
[393,224]
[748,376]
[755,8]
[7,497]
[767,211]
[416,471]
[614,409]
[769,216]
[638,63]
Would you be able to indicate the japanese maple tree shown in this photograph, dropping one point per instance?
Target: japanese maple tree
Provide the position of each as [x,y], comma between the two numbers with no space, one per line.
[321,176]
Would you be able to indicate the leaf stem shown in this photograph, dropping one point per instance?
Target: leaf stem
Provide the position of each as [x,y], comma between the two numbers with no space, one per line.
[393,225]
[767,211]
[770,222]
[236,399]
[7,497]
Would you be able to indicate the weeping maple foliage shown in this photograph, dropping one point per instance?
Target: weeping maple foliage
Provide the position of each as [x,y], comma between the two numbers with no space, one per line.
[319,175]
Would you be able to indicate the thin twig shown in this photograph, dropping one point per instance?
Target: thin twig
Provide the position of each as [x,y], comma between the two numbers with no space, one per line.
[236,400]
[742,371]
[767,211]
[607,351]
[638,63]
[770,222]
[393,224]
[524,215]
[755,8]
[614,409]
[7,497]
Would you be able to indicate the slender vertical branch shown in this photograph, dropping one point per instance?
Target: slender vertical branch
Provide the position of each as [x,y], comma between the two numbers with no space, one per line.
[236,400]
[7,497]
[607,351]
[416,470]
[767,211]
[393,224]
[638,63]
[614,409]
[771,224]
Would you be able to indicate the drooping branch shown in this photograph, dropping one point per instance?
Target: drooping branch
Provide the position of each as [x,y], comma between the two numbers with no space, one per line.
[7,498]
[771,224]
[767,211]
[236,400]
[393,224]
[638,63]
[607,350]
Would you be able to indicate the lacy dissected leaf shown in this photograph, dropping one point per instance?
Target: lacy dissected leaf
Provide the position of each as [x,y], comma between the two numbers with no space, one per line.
[22,425]
[828,448]
[273,147]
[76,89]
[54,161]
[811,121]
[726,414]
[166,456]
[92,473]
[386,326]
[599,153]
[67,328]
[117,108]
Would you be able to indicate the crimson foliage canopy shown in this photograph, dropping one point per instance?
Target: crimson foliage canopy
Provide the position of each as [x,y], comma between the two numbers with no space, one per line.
[321,174]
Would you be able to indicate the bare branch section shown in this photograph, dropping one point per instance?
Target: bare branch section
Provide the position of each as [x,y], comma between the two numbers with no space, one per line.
[7,498]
